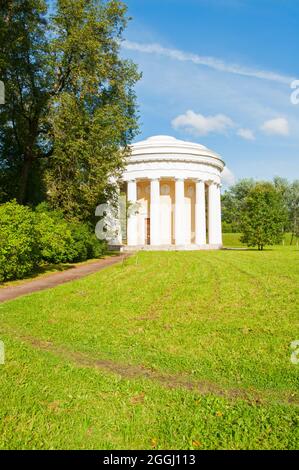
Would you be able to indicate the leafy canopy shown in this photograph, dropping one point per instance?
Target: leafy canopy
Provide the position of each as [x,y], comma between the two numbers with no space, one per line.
[71,108]
[263,216]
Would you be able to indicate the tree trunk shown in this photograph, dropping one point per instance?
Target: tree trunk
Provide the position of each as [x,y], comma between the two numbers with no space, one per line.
[24,177]
[28,159]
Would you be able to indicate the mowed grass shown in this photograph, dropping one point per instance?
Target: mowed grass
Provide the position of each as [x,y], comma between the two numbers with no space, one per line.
[169,350]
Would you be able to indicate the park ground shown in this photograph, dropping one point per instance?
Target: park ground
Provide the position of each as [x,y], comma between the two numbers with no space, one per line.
[170,350]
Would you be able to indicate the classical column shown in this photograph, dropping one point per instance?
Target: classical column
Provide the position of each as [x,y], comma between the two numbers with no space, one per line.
[200,214]
[219,218]
[179,215]
[132,217]
[214,211]
[155,212]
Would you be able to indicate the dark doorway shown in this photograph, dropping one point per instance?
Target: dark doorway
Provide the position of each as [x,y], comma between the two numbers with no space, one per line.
[148,231]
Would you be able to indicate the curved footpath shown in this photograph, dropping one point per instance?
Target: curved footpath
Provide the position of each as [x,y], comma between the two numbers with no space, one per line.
[53,280]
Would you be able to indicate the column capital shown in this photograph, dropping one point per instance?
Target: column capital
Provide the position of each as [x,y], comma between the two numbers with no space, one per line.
[179,178]
[156,178]
[212,182]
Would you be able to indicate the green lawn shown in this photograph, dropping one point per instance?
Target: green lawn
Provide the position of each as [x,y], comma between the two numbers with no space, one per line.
[170,350]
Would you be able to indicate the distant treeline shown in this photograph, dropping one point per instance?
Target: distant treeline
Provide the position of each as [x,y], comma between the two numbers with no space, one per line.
[234,202]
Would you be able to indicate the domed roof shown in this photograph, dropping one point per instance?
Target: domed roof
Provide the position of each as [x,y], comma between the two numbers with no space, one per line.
[166,156]
[166,140]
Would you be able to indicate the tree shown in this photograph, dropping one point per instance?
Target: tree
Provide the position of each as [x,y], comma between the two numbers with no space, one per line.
[27,78]
[294,210]
[263,216]
[232,202]
[290,195]
[97,105]
[71,110]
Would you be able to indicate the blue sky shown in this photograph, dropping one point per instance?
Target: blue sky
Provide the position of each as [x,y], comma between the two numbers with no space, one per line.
[218,72]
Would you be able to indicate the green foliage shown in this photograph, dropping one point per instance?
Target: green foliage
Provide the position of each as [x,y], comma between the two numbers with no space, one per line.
[232,201]
[227,227]
[85,244]
[293,208]
[61,241]
[30,238]
[71,109]
[263,216]
[19,252]
[54,236]
[25,71]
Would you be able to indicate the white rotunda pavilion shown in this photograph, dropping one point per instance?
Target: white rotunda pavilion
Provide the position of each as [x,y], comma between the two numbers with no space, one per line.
[175,186]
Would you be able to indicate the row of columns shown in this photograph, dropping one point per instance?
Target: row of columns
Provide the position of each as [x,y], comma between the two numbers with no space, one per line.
[214,213]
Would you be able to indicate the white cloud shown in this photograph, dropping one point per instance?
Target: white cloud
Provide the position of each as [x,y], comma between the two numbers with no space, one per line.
[227,176]
[200,125]
[212,62]
[278,126]
[246,134]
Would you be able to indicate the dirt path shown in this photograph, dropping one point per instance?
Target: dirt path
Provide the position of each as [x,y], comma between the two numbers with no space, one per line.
[52,280]
[170,381]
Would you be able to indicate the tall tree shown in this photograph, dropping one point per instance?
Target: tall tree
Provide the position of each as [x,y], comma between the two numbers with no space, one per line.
[294,210]
[232,202]
[71,110]
[93,118]
[263,216]
[27,78]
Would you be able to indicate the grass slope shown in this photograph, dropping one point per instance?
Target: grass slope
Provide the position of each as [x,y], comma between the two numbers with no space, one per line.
[175,350]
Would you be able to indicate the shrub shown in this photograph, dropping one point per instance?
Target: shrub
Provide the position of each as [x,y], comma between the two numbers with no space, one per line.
[227,227]
[61,241]
[85,243]
[29,238]
[19,252]
[54,236]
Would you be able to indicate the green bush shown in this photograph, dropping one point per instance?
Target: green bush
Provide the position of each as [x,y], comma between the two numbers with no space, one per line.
[85,243]
[61,241]
[28,239]
[226,227]
[54,235]
[19,252]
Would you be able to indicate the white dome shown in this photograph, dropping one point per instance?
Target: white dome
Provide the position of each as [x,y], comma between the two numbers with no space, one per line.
[166,140]
[165,156]
[161,138]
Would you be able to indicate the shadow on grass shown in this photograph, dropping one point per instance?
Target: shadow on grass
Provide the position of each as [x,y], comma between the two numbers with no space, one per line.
[239,248]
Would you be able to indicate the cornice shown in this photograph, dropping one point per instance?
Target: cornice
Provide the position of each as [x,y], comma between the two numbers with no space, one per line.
[206,160]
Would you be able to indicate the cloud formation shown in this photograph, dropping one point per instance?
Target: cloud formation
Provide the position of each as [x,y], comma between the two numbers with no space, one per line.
[197,124]
[278,126]
[246,134]
[227,176]
[212,62]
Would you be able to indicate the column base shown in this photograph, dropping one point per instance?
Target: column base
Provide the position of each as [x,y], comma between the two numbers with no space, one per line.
[192,247]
